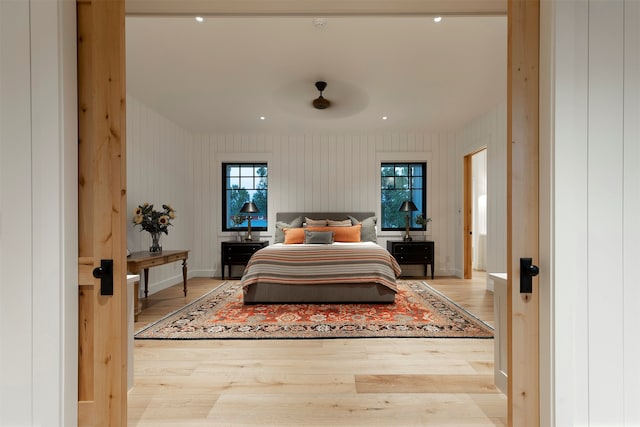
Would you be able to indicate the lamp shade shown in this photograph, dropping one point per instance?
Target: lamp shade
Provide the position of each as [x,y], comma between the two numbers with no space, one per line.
[408,206]
[249,207]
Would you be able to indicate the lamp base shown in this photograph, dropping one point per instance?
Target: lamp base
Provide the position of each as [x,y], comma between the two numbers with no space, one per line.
[407,239]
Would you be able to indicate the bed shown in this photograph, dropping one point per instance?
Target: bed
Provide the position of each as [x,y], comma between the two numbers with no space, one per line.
[311,262]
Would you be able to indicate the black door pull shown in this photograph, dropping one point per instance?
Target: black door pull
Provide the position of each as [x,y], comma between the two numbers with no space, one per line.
[527,271]
[105,274]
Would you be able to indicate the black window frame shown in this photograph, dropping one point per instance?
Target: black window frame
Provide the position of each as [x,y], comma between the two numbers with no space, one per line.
[409,190]
[226,224]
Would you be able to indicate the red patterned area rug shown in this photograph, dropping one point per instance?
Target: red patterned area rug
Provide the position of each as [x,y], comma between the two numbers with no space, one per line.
[419,311]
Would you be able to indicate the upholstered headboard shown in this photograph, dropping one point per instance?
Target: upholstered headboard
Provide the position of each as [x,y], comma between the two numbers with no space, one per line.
[337,216]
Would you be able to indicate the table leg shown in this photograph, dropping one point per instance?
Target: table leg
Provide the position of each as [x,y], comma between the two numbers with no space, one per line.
[136,303]
[184,276]
[433,264]
[146,282]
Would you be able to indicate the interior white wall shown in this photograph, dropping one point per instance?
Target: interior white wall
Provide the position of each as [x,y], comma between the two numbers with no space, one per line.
[596,180]
[160,171]
[327,173]
[332,172]
[307,172]
[38,214]
[490,131]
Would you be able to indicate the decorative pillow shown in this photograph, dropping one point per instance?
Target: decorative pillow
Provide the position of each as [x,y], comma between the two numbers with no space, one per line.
[315,222]
[319,237]
[343,223]
[368,228]
[293,235]
[280,225]
[341,234]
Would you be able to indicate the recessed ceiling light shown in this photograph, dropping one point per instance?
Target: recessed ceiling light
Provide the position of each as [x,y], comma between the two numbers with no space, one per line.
[384,117]
[437,19]
[319,23]
[263,118]
[199,19]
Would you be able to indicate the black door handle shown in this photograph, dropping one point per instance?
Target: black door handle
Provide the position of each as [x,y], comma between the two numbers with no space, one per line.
[105,274]
[527,271]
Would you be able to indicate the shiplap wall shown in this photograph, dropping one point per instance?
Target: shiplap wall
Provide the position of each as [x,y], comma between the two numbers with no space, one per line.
[306,173]
[596,179]
[160,171]
[490,131]
[323,173]
[38,214]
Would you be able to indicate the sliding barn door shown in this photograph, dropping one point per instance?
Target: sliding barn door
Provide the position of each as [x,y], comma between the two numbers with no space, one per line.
[102,364]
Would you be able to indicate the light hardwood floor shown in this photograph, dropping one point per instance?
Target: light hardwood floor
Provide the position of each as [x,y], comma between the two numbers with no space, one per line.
[333,382]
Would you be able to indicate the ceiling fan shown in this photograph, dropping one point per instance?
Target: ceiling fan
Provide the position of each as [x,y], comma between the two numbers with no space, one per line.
[320,102]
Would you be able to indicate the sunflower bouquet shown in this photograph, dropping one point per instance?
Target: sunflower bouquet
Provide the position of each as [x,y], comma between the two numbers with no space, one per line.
[152,220]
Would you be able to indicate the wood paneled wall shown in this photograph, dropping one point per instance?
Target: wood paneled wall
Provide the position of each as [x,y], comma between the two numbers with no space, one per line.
[596,151]
[160,171]
[328,172]
[38,213]
[490,131]
[324,173]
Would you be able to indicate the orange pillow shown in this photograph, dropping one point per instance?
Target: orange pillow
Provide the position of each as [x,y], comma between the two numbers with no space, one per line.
[293,235]
[341,234]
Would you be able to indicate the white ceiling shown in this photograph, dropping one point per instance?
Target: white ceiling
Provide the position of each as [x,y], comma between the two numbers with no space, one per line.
[221,75]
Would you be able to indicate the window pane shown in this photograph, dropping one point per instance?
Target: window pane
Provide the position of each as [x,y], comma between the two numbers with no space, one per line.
[387,169]
[234,183]
[400,182]
[244,182]
[388,182]
[402,170]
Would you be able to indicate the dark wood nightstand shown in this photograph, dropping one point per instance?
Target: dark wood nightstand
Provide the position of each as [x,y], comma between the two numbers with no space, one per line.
[415,252]
[238,253]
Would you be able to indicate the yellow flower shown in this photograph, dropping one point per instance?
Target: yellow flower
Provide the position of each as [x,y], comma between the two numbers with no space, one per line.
[151,220]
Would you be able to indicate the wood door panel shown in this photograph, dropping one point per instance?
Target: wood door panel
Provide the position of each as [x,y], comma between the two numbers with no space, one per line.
[522,210]
[102,364]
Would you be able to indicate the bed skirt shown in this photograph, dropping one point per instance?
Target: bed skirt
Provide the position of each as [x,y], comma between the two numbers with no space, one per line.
[333,293]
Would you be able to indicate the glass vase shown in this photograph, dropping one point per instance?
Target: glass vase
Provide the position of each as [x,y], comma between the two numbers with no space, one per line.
[155,247]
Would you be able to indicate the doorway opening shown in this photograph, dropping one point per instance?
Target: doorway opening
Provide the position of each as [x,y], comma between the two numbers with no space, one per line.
[475,212]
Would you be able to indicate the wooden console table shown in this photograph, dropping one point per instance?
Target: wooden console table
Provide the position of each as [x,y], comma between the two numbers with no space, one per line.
[144,260]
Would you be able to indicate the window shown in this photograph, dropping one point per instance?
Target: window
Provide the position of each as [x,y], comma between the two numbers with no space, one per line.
[400,182]
[241,183]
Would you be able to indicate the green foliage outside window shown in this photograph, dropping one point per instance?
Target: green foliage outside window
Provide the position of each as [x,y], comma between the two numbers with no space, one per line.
[244,182]
[400,182]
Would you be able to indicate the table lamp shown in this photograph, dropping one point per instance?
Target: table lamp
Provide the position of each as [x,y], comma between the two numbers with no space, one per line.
[407,206]
[249,208]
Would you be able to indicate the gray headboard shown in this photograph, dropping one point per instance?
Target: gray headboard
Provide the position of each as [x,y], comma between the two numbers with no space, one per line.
[337,216]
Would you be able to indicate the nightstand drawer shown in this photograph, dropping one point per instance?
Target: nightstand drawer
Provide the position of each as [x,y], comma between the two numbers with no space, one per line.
[410,258]
[418,248]
[245,250]
[237,258]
